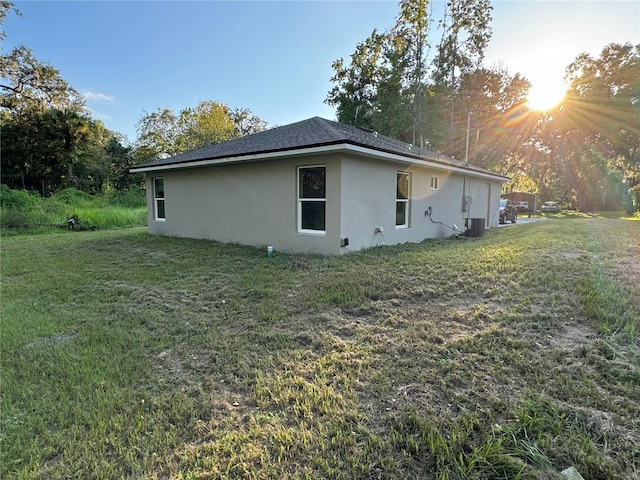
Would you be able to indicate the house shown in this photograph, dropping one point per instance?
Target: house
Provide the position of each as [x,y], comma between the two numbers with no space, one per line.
[318,186]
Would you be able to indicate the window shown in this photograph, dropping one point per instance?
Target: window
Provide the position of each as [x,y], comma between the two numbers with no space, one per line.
[402,199]
[158,197]
[434,182]
[312,199]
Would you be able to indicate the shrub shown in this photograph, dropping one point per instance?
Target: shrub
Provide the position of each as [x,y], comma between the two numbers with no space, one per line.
[21,199]
[27,210]
[73,196]
[128,198]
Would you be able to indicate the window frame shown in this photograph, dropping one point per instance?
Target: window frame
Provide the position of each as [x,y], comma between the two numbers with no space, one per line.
[435,182]
[157,200]
[404,200]
[301,200]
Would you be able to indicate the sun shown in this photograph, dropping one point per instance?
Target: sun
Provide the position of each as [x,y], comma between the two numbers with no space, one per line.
[546,95]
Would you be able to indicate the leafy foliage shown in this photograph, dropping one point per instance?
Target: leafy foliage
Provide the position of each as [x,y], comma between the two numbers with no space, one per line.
[50,141]
[28,211]
[584,153]
[389,85]
[66,148]
[356,84]
[591,141]
[163,133]
[466,33]
[28,79]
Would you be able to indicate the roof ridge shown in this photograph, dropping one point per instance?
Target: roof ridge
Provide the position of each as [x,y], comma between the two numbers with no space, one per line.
[329,127]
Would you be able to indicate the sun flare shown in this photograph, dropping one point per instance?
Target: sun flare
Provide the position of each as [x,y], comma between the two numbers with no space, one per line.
[545,96]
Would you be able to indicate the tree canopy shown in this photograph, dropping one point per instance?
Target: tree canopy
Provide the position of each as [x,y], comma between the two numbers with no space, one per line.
[585,152]
[391,86]
[591,141]
[50,141]
[163,132]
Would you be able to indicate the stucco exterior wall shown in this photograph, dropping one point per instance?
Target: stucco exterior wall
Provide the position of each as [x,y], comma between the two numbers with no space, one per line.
[250,204]
[369,202]
[256,204]
[485,200]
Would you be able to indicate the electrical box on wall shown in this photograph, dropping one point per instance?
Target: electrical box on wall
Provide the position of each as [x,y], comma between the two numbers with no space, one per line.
[467,200]
[344,242]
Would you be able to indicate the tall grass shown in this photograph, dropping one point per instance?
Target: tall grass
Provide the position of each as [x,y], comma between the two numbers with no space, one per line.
[23,210]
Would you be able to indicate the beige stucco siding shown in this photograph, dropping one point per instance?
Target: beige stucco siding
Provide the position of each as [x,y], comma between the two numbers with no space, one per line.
[256,203]
[252,204]
[369,201]
[485,202]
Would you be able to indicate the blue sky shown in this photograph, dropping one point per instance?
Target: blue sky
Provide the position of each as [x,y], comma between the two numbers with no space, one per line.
[273,58]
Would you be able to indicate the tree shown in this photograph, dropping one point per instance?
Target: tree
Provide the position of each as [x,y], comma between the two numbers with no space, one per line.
[595,133]
[121,161]
[23,77]
[603,103]
[49,149]
[409,50]
[157,135]
[389,86]
[356,84]
[26,78]
[165,133]
[207,124]
[385,85]
[245,122]
[49,140]
[500,125]
[466,33]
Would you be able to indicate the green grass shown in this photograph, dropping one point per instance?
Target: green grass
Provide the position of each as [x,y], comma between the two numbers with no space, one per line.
[22,211]
[514,355]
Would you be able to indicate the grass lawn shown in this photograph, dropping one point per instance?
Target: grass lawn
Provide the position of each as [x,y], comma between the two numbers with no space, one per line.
[514,355]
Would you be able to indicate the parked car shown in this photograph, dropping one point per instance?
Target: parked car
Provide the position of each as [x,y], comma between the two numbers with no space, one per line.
[522,207]
[508,211]
[550,207]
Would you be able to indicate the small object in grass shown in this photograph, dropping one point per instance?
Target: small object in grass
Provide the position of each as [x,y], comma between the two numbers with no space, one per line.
[300,262]
[51,340]
[571,474]
[235,404]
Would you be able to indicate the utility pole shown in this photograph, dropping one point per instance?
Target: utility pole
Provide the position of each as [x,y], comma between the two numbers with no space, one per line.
[466,151]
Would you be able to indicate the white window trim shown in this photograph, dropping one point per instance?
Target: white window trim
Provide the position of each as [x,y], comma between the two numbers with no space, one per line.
[302,200]
[404,200]
[435,182]
[156,199]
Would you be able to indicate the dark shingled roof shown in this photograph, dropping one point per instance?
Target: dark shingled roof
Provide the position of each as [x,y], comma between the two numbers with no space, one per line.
[314,132]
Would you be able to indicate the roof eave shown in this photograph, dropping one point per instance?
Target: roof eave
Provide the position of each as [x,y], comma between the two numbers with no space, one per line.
[323,149]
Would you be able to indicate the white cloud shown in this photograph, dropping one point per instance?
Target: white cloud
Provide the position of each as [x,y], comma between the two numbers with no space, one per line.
[100,116]
[97,115]
[98,97]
